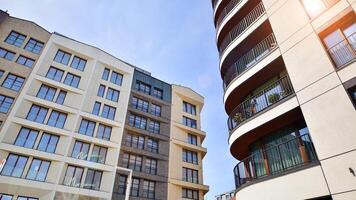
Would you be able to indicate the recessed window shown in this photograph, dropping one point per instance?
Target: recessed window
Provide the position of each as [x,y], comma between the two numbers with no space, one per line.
[135,141]
[158,93]
[62,57]
[151,166]
[137,121]
[189,122]
[87,127]
[55,74]
[190,175]
[155,110]
[190,194]
[46,92]
[1,73]
[113,95]
[61,97]
[5,197]
[104,132]
[38,170]
[5,103]
[8,55]
[78,63]
[139,104]
[108,112]
[14,165]
[22,60]
[72,80]
[143,87]
[133,162]
[96,108]
[190,156]
[37,114]
[116,78]
[148,189]
[98,154]
[135,186]
[26,138]
[15,38]
[80,150]
[101,91]
[93,179]
[57,119]
[152,145]
[48,143]
[13,82]
[154,127]
[352,93]
[189,108]
[122,184]
[105,75]
[73,176]
[34,46]
[25,198]
[192,139]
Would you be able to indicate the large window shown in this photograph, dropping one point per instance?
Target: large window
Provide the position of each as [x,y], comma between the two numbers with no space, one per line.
[26,138]
[137,121]
[190,156]
[135,186]
[154,127]
[152,145]
[48,143]
[192,139]
[5,103]
[72,80]
[189,108]
[108,112]
[190,175]
[155,110]
[148,189]
[98,154]
[8,55]
[158,93]
[104,132]
[87,127]
[15,38]
[135,141]
[139,104]
[113,95]
[13,82]
[116,78]
[151,166]
[93,179]
[22,60]
[122,184]
[105,75]
[80,150]
[5,197]
[142,87]
[55,74]
[14,165]
[96,108]
[46,92]
[62,57]
[78,63]
[101,91]
[38,170]
[189,122]
[133,162]
[34,46]
[190,194]
[73,176]
[37,114]
[61,97]
[57,119]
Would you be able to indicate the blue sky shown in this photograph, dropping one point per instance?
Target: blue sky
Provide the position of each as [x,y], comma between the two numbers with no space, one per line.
[173,39]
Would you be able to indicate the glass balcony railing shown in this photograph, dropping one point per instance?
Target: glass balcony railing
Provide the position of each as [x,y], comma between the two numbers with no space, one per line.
[296,152]
[270,95]
[344,51]
[249,59]
[239,28]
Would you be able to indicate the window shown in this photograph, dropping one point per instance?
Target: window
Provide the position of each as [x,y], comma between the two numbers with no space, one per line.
[189,122]
[190,194]
[352,93]
[5,103]
[113,95]
[122,184]
[152,145]
[189,108]
[104,132]
[148,189]
[26,198]
[151,166]
[139,104]
[80,150]
[155,110]
[72,80]
[190,156]
[46,92]
[87,127]
[108,112]
[137,121]
[105,75]
[13,82]
[116,78]
[22,60]
[38,170]
[14,165]
[135,141]
[190,175]
[57,119]
[158,93]
[5,197]
[93,179]
[73,176]
[55,74]
[37,114]
[142,87]
[15,38]
[316,7]
[133,162]
[192,139]
[154,127]
[101,91]
[48,143]
[8,55]
[98,154]
[96,108]
[26,138]
[1,73]
[61,97]
[78,63]
[62,57]
[34,46]
[135,185]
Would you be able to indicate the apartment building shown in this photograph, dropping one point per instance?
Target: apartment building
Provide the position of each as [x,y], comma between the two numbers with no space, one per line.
[289,80]
[226,196]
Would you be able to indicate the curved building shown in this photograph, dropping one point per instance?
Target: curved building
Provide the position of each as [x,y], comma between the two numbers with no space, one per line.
[289,81]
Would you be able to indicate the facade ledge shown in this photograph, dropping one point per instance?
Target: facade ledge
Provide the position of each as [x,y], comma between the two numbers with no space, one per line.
[151,98]
[51,104]
[83,192]
[148,115]
[103,120]
[21,182]
[144,152]
[188,146]
[186,128]
[204,188]
[146,133]
[58,84]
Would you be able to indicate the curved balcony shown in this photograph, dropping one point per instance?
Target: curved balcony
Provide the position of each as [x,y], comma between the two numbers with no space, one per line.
[250,59]
[227,10]
[292,154]
[242,26]
[268,96]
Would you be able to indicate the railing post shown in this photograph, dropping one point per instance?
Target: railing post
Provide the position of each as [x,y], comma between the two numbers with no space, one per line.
[301,147]
[265,159]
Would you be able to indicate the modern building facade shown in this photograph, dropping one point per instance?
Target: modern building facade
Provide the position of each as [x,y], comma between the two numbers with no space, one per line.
[289,80]
[226,196]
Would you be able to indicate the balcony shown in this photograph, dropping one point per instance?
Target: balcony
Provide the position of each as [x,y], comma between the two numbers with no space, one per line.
[228,8]
[250,59]
[240,28]
[214,2]
[343,52]
[292,154]
[268,96]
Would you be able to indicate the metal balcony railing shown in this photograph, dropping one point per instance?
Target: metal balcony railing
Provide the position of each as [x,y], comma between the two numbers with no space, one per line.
[297,152]
[249,59]
[344,51]
[239,28]
[228,8]
[267,97]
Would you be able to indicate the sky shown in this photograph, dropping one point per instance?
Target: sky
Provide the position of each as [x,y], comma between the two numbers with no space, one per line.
[173,39]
